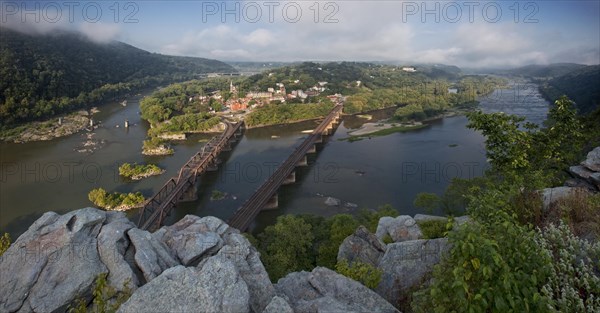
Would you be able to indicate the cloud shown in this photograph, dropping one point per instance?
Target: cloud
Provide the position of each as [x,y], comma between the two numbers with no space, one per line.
[49,20]
[99,32]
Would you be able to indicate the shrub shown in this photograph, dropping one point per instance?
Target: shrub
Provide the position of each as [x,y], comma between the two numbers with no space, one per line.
[491,267]
[106,299]
[573,285]
[363,273]
[433,229]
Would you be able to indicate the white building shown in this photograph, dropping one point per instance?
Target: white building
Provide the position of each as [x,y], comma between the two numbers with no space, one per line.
[409,69]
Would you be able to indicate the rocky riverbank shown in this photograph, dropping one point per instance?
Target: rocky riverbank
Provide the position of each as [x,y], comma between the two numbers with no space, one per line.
[48,130]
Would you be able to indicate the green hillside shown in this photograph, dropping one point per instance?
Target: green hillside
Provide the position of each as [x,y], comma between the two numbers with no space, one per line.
[581,85]
[45,75]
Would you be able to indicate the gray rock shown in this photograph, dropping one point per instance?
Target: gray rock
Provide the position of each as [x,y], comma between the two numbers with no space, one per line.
[52,263]
[247,260]
[323,290]
[215,286]
[424,217]
[278,305]
[190,247]
[151,256]
[592,162]
[408,264]
[112,247]
[460,220]
[551,195]
[581,172]
[596,179]
[401,228]
[332,201]
[362,246]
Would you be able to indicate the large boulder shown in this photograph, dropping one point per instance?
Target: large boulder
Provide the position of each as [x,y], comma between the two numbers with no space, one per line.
[152,256]
[362,246]
[116,251]
[247,260]
[278,305]
[324,290]
[401,228]
[193,238]
[592,162]
[426,218]
[406,265]
[215,286]
[55,261]
[552,195]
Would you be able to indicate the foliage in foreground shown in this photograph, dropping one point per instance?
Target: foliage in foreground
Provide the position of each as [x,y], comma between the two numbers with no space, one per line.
[363,273]
[116,200]
[498,263]
[573,283]
[493,267]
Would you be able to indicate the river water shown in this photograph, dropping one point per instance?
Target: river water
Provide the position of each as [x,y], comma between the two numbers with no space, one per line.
[55,176]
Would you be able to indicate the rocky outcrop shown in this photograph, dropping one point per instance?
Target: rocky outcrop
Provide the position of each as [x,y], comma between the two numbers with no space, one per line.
[587,174]
[55,261]
[278,305]
[214,286]
[323,290]
[196,264]
[401,228]
[592,161]
[363,247]
[406,265]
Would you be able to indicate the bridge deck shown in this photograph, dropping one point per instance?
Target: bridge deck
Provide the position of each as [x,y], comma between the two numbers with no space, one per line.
[158,207]
[244,216]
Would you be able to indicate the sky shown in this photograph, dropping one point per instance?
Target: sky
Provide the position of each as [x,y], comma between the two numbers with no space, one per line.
[473,34]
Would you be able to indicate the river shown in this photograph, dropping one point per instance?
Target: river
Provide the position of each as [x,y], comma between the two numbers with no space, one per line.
[54,176]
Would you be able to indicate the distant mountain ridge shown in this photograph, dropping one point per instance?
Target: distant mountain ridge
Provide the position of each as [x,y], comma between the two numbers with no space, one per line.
[550,70]
[39,72]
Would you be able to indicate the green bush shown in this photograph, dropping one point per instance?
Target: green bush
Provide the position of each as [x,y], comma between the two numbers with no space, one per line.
[492,267]
[573,285]
[433,229]
[363,273]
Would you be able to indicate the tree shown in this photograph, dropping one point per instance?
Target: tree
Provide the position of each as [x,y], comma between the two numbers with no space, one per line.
[286,246]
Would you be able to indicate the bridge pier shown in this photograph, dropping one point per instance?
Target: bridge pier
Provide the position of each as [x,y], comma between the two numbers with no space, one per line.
[303,161]
[272,204]
[191,194]
[319,139]
[290,179]
[227,147]
[214,165]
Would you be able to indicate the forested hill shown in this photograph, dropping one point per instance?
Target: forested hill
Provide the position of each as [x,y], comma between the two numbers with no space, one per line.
[581,85]
[44,75]
[545,71]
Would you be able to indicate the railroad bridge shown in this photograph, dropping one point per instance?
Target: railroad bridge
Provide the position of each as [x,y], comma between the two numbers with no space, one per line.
[184,187]
[266,195]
